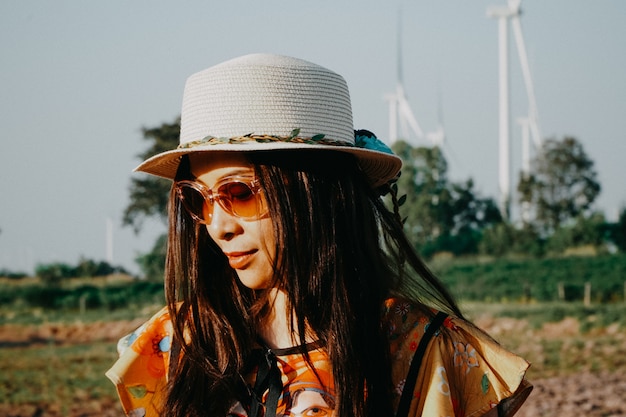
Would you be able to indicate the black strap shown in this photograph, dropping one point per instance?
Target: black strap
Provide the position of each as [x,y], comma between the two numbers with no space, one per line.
[416,362]
[267,379]
[501,412]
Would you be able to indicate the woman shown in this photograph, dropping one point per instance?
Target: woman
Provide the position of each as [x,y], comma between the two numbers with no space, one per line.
[291,287]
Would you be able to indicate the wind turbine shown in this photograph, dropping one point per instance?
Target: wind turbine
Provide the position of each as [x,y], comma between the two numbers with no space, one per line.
[399,108]
[530,124]
[438,137]
[109,240]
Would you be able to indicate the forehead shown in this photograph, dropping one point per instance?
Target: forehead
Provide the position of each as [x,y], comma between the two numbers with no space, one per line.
[217,164]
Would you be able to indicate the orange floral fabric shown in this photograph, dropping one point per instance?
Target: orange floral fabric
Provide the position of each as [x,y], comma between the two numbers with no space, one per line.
[464,372]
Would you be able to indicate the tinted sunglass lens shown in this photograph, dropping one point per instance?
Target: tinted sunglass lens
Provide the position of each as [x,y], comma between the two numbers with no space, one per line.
[239,199]
[195,203]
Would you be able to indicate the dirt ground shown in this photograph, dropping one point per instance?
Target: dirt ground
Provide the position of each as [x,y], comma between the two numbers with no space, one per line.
[589,393]
[585,394]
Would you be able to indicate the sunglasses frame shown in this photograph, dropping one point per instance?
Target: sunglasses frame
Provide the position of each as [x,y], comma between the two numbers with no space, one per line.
[211,195]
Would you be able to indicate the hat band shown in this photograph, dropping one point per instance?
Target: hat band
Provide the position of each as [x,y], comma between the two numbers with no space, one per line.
[292,138]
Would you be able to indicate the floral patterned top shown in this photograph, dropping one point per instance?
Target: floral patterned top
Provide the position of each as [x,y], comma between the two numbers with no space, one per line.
[463,372]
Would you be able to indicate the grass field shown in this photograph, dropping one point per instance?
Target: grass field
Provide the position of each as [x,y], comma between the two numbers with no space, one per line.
[54,366]
[57,342]
[57,379]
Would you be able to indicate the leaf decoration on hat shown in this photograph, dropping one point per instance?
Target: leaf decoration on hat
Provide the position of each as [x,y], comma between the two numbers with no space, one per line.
[294,133]
[367,140]
[319,139]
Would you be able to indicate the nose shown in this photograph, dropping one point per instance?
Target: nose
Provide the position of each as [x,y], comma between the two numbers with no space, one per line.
[224,225]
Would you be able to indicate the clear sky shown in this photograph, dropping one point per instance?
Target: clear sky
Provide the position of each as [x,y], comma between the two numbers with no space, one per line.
[79,79]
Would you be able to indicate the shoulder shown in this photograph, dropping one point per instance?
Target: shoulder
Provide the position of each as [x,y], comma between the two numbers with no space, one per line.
[405,323]
[140,372]
[464,371]
[158,329]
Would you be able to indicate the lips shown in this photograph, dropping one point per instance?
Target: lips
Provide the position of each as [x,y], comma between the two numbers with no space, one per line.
[240,260]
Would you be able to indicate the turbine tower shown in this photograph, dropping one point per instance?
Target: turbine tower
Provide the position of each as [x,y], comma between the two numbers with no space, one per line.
[530,124]
[399,109]
[109,240]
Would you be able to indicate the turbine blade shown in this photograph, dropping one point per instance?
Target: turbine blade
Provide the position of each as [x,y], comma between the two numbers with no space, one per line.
[393,118]
[407,115]
[528,82]
[399,46]
[514,5]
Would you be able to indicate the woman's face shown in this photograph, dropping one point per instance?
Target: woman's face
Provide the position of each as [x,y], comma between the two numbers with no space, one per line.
[248,243]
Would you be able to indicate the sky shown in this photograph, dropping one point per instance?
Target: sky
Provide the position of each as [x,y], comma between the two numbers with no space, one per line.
[79,79]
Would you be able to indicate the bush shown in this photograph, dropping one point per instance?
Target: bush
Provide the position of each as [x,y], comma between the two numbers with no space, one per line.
[584,231]
[55,273]
[110,297]
[152,264]
[5,273]
[616,232]
[504,238]
[537,279]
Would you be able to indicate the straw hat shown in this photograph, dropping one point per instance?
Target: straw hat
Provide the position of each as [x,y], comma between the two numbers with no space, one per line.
[264,102]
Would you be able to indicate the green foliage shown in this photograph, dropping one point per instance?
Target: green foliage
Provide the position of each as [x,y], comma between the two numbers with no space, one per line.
[598,315]
[562,186]
[465,241]
[583,231]
[58,379]
[91,268]
[423,181]
[616,232]
[5,273]
[83,297]
[505,239]
[53,274]
[591,233]
[149,195]
[152,264]
[537,279]
[440,215]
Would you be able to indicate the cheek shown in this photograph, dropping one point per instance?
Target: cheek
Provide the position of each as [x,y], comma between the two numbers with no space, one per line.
[266,235]
[208,230]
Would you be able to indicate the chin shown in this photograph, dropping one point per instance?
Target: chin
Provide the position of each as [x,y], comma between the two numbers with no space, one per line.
[252,281]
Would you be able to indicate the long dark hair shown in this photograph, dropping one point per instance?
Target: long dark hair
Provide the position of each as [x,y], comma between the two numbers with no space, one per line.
[340,253]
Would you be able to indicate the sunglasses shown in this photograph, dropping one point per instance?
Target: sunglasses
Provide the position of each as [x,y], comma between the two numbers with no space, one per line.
[239,196]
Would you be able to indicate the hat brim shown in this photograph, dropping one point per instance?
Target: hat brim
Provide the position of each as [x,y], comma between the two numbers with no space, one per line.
[379,167]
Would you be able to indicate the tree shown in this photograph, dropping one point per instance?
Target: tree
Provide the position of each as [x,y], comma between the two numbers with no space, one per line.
[505,239]
[53,274]
[424,182]
[152,264]
[562,186]
[440,215]
[90,268]
[617,231]
[590,230]
[149,195]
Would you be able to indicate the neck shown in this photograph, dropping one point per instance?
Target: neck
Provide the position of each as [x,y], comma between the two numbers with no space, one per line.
[275,329]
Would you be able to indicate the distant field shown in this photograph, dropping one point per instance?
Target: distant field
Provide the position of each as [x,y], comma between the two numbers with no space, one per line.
[543,280]
[56,367]
[57,342]
[57,380]
[600,279]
